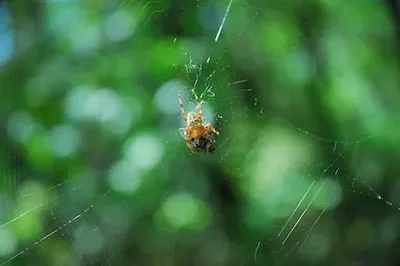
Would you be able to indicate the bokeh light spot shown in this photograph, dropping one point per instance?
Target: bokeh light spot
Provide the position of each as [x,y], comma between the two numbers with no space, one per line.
[124,177]
[20,125]
[166,98]
[185,211]
[65,140]
[8,242]
[119,26]
[88,239]
[144,151]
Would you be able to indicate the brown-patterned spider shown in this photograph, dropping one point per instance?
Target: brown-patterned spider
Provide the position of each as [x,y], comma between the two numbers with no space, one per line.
[198,137]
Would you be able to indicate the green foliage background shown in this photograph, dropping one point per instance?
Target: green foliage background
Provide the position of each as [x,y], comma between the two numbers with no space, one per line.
[93,170]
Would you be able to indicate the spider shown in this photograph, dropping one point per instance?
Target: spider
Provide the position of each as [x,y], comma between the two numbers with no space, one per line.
[198,136]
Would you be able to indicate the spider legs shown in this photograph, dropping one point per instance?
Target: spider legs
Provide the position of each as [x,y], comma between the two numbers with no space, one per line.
[198,104]
[184,117]
[183,133]
[209,128]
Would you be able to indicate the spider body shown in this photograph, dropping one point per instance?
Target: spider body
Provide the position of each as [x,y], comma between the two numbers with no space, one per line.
[203,144]
[198,136]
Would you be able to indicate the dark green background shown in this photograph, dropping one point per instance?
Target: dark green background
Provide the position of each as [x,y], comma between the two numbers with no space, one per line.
[93,170]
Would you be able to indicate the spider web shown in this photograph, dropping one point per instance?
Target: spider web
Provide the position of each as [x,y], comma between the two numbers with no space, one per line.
[274,192]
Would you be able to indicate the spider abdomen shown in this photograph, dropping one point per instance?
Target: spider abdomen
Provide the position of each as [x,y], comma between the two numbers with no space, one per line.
[196,132]
[203,144]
